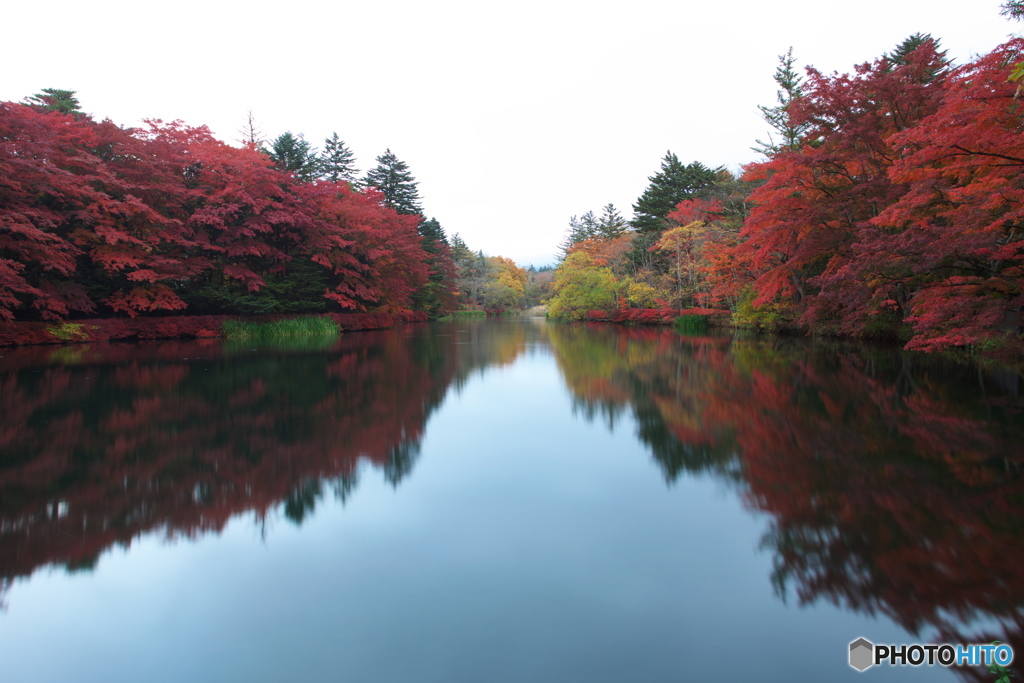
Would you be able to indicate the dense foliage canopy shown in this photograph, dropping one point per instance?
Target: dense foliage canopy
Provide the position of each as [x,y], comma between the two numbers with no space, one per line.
[96,219]
[889,207]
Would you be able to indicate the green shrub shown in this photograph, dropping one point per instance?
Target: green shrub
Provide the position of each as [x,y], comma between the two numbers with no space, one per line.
[69,332]
[770,316]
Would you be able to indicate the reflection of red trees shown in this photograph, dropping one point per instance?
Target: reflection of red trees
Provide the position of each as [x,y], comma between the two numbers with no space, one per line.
[180,438]
[894,480]
[900,501]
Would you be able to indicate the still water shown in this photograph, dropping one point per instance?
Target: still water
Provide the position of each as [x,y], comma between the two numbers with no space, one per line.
[502,501]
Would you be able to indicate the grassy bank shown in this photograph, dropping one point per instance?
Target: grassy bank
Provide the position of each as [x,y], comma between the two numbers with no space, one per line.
[304,326]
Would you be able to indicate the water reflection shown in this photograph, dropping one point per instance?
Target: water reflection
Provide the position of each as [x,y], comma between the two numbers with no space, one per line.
[101,443]
[893,480]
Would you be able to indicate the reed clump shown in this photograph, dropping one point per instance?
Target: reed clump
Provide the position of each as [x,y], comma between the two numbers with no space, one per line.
[283,328]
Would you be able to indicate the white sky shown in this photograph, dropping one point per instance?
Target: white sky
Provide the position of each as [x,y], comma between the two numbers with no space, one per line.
[513,117]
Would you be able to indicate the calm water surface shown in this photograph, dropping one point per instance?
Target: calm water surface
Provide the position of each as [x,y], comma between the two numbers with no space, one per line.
[502,501]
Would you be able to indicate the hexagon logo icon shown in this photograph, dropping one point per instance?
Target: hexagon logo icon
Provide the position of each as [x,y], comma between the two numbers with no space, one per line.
[861,654]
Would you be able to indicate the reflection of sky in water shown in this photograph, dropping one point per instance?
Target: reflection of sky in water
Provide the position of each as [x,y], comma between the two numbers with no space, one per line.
[525,545]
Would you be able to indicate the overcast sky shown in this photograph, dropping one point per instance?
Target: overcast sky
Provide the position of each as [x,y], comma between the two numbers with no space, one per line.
[512,116]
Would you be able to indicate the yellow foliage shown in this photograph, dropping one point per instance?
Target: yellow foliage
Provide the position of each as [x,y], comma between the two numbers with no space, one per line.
[506,284]
[686,244]
[581,285]
[640,294]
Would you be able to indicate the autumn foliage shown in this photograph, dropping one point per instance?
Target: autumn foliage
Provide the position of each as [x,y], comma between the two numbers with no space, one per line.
[99,220]
[900,214]
[896,213]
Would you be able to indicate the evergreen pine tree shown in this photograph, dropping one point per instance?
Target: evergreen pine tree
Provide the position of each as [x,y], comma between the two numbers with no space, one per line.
[295,154]
[611,224]
[53,99]
[790,90]
[580,229]
[673,184]
[434,297]
[461,253]
[337,162]
[393,179]
[432,232]
[901,55]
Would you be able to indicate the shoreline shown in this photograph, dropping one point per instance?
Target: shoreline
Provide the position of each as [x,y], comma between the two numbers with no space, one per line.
[87,330]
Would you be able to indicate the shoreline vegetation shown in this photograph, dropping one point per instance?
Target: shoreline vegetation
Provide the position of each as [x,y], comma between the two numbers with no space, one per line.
[234,328]
[303,326]
[888,207]
[164,231]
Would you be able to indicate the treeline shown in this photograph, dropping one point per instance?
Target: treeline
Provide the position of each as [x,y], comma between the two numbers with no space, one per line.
[100,220]
[496,283]
[890,204]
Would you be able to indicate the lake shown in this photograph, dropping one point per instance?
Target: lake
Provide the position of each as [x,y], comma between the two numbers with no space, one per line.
[503,500]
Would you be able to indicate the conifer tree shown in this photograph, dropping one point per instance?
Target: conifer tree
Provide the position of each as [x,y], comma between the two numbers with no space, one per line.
[251,132]
[461,253]
[611,224]
[580,229]
[901,55]
[435,296]
[432,232]
[778,117]
[337,161]
[294,153]
[53,99]
[673,184]
[393,179]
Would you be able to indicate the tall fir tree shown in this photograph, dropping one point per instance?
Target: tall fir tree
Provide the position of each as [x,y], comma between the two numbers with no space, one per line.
[337,161]
[611,224]
[461,253]
[393,179]
[431,231]
[778,117]
[583,228]
[294,153]
[674,183]
[900,56]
